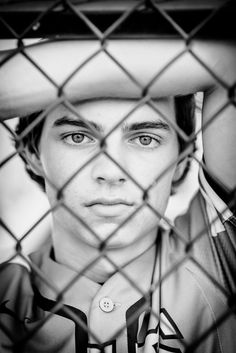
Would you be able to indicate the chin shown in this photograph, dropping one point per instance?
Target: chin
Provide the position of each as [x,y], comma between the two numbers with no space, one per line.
[117,240]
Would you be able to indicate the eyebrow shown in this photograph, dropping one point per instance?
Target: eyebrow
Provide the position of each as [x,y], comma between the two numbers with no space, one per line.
[157,124]
[78,122]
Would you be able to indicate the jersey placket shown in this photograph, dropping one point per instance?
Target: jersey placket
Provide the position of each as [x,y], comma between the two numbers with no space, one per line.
[109,309]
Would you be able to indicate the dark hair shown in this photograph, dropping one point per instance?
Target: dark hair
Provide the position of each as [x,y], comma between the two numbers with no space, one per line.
[185,118]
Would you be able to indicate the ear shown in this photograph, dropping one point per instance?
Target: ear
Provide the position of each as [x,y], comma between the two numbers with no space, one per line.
[180,169]
[33,162]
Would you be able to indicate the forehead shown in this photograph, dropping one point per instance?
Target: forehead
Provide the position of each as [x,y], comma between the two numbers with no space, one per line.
[108,112]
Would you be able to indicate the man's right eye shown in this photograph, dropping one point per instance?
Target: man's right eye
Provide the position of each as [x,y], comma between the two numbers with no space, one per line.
[77,139]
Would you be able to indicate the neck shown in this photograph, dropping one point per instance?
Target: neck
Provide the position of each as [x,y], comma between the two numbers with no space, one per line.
[94,264]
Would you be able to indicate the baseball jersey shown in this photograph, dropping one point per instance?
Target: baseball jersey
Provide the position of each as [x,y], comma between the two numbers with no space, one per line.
[178,296]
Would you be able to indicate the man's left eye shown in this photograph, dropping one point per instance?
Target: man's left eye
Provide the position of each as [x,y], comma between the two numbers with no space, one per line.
[77,138]
[146,140]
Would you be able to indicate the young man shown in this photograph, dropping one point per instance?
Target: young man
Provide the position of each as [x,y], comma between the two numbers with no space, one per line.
[114,279]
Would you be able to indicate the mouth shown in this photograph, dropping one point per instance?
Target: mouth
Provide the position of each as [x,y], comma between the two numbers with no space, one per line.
[109,208]
[108,202]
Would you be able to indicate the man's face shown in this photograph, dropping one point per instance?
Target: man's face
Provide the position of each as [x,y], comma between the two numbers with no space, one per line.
[101,194]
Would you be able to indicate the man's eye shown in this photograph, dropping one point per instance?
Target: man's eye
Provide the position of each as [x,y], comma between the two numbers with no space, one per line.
[146,140]
[77,138]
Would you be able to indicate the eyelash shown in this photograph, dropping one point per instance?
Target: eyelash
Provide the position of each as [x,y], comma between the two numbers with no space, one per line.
[69,140]
[73,143]
[148,146]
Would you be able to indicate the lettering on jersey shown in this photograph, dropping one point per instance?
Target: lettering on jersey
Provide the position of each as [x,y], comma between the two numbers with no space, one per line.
[107,347]
[140,337]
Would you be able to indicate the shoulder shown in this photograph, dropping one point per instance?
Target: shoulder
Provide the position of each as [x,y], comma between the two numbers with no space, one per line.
[16,302]
[15,284]
[206,210]
[192,221]
[13,273]
[206,234]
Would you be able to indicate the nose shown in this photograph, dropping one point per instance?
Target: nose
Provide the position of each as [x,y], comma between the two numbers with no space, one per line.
[105,171]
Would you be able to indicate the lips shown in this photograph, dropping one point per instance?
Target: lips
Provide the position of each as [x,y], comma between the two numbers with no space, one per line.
[108,202]
[109,208]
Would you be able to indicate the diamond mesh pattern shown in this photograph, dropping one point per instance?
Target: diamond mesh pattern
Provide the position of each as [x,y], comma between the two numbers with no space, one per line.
[121,23]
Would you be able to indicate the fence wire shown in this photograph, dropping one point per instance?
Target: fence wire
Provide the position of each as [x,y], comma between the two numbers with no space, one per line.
[55,21]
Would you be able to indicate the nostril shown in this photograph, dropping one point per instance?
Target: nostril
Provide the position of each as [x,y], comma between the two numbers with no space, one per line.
[112,181]
[122,180]
[106,171]
[100,179]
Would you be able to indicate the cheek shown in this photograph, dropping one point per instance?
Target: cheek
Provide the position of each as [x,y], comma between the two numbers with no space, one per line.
[64,173]
[59,165]
[159,194]
[159,178]
[56,171]
[154,170]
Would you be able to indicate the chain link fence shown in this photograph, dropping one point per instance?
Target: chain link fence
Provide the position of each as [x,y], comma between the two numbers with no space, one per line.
[149,326]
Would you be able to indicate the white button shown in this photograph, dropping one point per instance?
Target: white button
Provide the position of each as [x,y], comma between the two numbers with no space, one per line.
[106,304]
